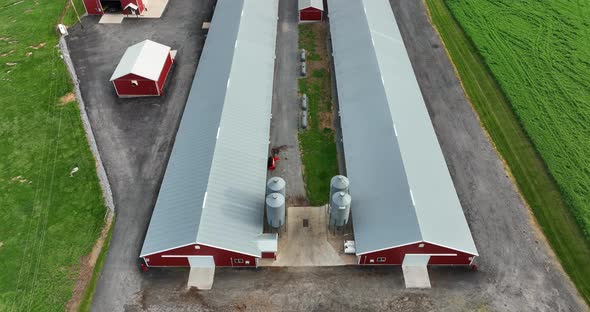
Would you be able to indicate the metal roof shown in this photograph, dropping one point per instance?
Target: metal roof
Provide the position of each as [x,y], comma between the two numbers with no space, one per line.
[318,4]
[401,189]
[214,187]
[145,59]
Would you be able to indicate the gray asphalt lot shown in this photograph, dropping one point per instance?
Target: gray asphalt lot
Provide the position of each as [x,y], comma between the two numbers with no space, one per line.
[285,109]
[134,136]
[517,271]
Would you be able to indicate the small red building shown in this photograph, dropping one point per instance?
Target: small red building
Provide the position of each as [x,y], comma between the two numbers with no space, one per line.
[98,7]
[311,10]
[143,70]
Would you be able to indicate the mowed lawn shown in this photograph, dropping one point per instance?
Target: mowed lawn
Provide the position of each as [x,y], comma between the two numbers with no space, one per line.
[49,218]
[317,143]
[531,98]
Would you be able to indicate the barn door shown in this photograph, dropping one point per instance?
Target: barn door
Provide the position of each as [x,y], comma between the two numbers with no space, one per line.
[93,7]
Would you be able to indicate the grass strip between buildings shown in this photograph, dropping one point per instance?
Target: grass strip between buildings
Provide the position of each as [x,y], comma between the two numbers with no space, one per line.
[528,170]
[317,143]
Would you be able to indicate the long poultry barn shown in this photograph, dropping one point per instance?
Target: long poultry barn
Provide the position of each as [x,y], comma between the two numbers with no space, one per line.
[405,207]
[210,208]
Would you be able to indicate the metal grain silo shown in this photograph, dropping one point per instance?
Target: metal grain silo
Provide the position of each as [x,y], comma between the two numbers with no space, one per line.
[275,210]
[276,185]
[339,208]
[339,183]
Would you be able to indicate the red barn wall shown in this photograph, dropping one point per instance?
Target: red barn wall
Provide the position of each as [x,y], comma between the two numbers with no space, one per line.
[93,7]
[145,86]
[220,256]
[164,73]
[310,14]
[395,256]
[138,3]
[269,255]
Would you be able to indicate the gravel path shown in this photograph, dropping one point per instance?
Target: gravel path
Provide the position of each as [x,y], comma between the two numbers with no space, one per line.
[285,110]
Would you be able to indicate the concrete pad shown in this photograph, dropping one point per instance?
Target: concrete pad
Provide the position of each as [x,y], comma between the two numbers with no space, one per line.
[416,271]
[308,243]
[202,272]
[416,276]
[111,19]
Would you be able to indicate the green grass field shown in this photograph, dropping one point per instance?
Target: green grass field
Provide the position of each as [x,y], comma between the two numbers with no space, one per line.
[317,143]
[48,219]
[540,54]
[70,17]
[538,113]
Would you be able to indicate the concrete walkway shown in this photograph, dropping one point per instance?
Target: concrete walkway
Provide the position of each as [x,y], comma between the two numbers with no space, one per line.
[416,271]
[111,18]
[202,272]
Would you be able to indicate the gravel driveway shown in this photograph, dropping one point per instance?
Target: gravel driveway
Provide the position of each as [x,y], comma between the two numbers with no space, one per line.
[134,136]
[285,106]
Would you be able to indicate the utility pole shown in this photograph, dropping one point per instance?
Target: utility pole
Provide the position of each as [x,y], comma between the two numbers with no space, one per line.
[76,11]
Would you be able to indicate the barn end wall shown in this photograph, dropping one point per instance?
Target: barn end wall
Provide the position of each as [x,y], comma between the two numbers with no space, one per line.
[310,14]
[144,86]
[395,256]
[164,73]
[223,258]
[93,7]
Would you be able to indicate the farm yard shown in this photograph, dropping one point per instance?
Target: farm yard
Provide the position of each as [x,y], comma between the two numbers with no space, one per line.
[51,210]
[51,207]
[525,70]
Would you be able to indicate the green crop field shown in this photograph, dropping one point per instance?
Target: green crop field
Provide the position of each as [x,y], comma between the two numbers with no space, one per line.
[497,115]
[539,52]
[50,216]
